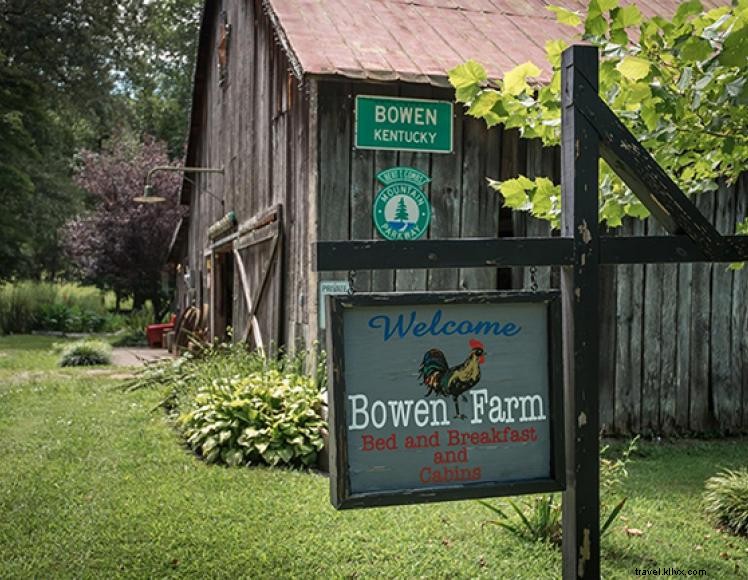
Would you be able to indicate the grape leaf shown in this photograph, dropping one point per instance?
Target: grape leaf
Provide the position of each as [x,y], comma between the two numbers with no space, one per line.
[565,16]
[483,103]
[686,9]
[626,16]
[634,67]
[553,50]
[467,74]
[515,81]
[735,48]
[695,49]
[514,192]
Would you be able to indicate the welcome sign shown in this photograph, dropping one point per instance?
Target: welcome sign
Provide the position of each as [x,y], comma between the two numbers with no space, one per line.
[444,396]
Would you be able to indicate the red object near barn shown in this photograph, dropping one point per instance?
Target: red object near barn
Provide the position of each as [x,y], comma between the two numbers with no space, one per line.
[155,332]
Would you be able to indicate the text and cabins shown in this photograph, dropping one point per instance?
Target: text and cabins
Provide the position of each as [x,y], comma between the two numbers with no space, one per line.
[376,425]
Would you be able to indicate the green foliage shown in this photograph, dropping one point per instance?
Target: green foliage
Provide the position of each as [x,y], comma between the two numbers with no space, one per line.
[538,518]
[86,352]
[132,327]
[238,407]
[267,417]
[29,305]
[726,500]
[680,88]
[72,73]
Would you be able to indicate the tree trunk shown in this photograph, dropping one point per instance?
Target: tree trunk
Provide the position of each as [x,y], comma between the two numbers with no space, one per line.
[138,301]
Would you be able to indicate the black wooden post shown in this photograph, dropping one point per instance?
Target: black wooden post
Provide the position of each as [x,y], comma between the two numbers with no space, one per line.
[579,286]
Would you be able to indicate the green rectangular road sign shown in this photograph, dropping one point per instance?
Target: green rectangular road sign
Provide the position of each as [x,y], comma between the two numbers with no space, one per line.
[406,124]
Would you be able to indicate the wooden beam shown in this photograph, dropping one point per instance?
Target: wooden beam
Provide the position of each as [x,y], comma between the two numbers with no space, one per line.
[639,170]
[580,297]
[254,325]
[458,253]
[666,250]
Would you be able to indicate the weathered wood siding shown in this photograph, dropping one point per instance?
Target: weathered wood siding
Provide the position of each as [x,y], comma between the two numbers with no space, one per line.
[462,203]
[255,126]
[674,338]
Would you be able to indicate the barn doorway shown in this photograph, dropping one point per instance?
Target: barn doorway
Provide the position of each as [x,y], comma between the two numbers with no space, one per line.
[223,293]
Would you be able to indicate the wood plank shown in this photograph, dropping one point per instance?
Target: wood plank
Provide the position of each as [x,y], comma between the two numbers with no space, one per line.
[481,252]
[651,184]
[725,394]
[446,200]
[335,145]
[740,308]
[652,342]
[410,280]
[580,295]
[510,168]
[362,190]
[637,329]
[669,335]
[310,152]
[683,347]
[480,203]
[608,326]
[700,419]
[537,166]
[624,399]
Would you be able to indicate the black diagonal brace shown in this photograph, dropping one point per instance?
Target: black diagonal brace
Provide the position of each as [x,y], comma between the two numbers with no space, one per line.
[639,170]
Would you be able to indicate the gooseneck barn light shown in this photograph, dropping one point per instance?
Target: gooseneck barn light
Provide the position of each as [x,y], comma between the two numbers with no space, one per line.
[150,196]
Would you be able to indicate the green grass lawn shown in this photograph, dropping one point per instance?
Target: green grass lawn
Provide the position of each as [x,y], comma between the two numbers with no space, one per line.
[94,483]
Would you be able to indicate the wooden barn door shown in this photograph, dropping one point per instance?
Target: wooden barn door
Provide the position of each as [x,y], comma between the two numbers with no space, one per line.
[258,272]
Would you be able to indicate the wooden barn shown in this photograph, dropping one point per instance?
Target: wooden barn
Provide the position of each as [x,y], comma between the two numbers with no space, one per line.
[277,86]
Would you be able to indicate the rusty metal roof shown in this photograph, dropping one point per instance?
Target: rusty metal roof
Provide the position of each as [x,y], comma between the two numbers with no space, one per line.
[419,40]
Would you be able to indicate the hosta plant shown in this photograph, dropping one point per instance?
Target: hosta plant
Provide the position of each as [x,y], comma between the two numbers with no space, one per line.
[726,500]
[265,417]
[86,353]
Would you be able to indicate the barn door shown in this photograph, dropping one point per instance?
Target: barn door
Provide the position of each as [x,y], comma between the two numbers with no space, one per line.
[259,274]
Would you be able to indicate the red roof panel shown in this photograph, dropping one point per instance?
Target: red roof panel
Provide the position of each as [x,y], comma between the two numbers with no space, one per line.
[420,40]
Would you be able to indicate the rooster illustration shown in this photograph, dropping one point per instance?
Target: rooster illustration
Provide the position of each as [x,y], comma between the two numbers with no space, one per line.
[447,381]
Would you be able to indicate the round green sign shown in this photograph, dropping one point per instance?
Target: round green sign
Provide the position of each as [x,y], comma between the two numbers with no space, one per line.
[402,212]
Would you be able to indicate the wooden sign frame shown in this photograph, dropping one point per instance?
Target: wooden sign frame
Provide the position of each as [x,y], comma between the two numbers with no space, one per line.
[341,495]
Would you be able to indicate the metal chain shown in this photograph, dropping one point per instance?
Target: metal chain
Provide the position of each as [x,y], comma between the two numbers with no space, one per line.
[533,279]
[351,281]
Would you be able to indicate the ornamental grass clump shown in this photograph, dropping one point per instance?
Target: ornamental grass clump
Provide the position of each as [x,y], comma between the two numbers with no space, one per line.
[726,500]
[86,353]
[267,417]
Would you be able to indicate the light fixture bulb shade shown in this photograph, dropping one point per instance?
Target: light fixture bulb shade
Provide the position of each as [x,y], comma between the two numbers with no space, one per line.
[148,196]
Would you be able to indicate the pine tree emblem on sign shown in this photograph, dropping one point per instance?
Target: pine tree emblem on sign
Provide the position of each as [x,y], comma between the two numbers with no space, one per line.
[402,210]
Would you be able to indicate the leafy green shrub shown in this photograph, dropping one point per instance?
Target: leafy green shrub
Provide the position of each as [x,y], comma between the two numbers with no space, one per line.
[726,500]
[539,518]
[30,305]
[19,304]
[86,353]
[132,328]
[267,417]
[239,407]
